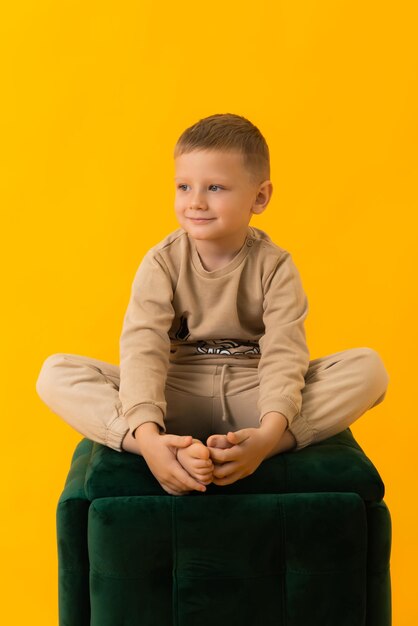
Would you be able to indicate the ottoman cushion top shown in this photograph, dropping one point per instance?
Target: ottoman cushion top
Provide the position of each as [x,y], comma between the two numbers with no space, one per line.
[337,464]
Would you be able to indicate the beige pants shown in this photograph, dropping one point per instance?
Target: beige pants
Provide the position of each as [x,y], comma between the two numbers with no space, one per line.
[211,399]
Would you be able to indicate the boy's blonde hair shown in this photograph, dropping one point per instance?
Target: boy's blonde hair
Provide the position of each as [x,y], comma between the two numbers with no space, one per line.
[229,132]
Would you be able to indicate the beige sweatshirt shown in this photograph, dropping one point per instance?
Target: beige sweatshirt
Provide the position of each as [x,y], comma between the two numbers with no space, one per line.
[252,308]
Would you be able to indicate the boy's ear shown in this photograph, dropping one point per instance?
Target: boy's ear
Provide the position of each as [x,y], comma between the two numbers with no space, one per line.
[264,193]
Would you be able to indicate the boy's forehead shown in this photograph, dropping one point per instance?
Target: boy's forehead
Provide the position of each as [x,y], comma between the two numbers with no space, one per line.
[209,162]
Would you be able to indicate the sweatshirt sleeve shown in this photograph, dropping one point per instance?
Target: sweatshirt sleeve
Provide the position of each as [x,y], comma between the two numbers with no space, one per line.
[284,356]
[145,345]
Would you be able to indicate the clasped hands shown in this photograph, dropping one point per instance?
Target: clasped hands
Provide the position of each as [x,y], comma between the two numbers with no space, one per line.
[225,458]
[182,464]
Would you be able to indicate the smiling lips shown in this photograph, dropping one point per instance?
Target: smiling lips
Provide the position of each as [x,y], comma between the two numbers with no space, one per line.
[201,219]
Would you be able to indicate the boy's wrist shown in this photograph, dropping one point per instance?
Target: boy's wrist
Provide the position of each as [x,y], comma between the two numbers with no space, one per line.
[144,436]
[272,427]
[146,428]
[275,421]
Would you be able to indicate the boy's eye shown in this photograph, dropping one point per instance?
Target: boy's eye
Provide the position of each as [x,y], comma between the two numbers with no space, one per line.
[184,185]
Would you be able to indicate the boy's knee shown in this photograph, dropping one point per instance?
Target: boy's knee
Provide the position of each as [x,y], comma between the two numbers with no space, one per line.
[47,374]
[375,369]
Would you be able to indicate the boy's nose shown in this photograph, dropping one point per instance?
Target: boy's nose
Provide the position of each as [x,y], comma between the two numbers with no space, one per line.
[198,203]
[198,200]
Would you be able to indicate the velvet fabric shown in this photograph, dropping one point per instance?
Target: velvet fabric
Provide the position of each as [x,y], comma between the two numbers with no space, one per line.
[305,540]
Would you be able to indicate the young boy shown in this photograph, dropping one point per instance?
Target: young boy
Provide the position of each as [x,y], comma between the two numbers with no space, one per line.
[214,372]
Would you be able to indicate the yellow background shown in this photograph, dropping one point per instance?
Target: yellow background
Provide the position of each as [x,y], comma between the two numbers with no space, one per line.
[95,94]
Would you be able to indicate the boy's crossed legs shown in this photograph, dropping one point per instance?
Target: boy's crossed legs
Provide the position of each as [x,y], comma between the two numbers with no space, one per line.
[338,389]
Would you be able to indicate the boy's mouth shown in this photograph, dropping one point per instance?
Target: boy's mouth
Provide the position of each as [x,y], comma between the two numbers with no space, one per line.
[201,219]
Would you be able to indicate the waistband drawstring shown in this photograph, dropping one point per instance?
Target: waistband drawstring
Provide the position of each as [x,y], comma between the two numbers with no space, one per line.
[222,392]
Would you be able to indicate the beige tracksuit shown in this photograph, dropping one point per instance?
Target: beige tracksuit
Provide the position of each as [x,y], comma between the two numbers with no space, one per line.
[204,352]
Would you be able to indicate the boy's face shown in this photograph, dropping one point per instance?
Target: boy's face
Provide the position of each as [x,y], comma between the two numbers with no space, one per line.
[215,197]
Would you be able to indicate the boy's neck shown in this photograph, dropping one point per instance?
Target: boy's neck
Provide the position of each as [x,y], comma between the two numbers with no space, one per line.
[215,254]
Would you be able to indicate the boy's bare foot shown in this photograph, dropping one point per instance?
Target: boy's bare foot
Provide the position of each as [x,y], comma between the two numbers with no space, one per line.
[196,460]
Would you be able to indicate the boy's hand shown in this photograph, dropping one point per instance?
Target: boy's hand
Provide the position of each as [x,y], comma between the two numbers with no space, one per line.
[247,448]
[160,454]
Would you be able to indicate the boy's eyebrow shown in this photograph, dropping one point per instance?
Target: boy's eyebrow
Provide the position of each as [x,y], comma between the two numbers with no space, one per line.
[220,178]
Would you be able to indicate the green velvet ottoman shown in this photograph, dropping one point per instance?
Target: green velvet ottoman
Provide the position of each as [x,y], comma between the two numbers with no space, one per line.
[304,541]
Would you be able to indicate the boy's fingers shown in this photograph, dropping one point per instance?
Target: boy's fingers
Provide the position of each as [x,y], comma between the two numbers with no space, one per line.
[228,480]
[178,441]
[185,480]
[225,470]
[222,456]
[218,441]
[172,490]
[238,436]
[232,477]
[217,455]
